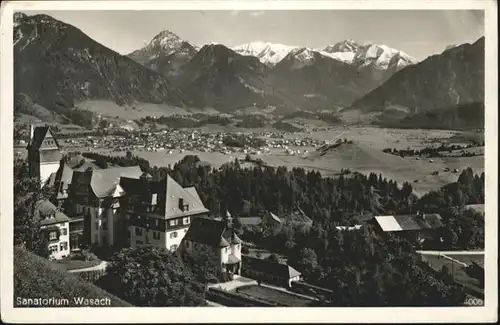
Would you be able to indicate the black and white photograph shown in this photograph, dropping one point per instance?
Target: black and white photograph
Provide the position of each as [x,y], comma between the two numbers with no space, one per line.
[249,154]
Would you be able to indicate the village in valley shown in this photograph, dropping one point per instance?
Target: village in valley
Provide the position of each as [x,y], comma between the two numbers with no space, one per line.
[91,211]
[255,175]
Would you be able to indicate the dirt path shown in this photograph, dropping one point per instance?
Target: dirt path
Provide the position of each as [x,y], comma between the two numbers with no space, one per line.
[100,266]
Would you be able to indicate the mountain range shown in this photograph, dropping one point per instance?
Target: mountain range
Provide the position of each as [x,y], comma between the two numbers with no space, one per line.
[448,80]
[288,77]
[57,66]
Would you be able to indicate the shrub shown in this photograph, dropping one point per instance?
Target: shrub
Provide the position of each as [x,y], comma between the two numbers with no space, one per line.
[36,277]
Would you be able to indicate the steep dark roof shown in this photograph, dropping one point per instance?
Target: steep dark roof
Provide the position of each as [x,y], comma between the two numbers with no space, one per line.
[104,182]
[211,232]
[63,180]
[39,134]
[49,214]
[168,192]
[207,231]
[257,264]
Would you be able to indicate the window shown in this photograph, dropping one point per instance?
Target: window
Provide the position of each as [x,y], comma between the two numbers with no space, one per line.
[186,221]
[187,244]
[138,231]
[96,239]
[156,235]
[63,246]
[138,242]
[156,222]
[64,231]
[96,225]
[53,249]
[173,248]
[104,225]
[173,222]
[173,234]
[53,235]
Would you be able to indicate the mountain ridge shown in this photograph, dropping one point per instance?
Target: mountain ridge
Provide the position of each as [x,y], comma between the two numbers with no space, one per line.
[56,65]
[452,71]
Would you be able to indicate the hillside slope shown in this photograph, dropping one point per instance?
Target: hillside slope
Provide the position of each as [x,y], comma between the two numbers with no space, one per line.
[36,277]
[56,65]
[451,78]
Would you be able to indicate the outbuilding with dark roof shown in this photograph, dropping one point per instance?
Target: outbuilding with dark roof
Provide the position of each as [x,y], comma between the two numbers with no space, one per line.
[269,271]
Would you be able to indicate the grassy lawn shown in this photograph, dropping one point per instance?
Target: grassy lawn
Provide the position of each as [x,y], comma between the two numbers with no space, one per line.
[468,258]
[73,264]
[269,294]
[457,270]
[36,277]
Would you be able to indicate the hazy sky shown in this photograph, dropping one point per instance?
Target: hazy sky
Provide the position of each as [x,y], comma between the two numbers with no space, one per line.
[419,33]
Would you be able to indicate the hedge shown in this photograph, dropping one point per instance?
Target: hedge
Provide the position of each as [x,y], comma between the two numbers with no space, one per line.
[38,278]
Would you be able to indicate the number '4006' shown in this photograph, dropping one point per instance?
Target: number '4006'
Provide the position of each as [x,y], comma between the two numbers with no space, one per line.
[474,302]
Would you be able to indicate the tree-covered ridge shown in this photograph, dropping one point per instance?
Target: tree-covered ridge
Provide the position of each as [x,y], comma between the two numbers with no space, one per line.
[345,200]
[362,267]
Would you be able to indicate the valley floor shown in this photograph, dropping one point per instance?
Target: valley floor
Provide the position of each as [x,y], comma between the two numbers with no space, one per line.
[364,155]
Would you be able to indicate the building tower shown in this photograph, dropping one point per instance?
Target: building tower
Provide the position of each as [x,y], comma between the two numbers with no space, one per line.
[44,153]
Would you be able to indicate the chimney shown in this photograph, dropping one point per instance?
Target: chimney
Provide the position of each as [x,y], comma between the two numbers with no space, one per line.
[181,204]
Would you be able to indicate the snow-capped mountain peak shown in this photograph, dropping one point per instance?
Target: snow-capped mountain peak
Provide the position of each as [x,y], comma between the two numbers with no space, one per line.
[381,57]
[367,55]
[301,57]
[344,46]
[268,53]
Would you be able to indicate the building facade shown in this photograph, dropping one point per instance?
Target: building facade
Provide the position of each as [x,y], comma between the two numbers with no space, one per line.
[44,153]
[96,196]
[159,212]
[55,225]
[218,236]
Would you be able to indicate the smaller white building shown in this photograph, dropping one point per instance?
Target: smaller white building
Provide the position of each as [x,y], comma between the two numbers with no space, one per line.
[219,236]
[55,225]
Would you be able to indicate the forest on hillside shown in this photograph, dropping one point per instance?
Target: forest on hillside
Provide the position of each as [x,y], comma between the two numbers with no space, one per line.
[362,268]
